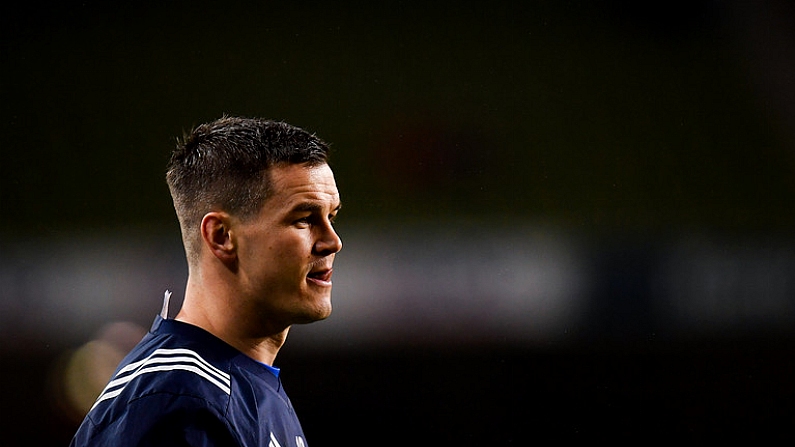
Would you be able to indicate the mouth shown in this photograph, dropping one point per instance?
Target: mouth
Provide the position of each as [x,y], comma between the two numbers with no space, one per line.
[320,277]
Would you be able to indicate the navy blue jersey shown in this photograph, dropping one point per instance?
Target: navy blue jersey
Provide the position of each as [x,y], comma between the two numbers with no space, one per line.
[182,386]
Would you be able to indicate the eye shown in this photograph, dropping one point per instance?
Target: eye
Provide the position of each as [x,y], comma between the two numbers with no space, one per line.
[303,221]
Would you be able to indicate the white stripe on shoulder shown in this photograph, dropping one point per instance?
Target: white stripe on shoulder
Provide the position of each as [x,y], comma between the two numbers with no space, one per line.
[164,360]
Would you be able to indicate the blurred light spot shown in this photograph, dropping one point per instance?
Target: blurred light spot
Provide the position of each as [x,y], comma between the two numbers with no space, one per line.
[86,370]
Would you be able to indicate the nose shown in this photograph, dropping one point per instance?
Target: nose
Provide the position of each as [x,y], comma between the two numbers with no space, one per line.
[328,241]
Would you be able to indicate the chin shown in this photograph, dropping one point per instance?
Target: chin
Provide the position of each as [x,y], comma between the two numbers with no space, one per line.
[317,313]
[306,318]
[323,313]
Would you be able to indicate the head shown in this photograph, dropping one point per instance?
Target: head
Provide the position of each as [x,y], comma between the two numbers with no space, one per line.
[224,165]
[256,200]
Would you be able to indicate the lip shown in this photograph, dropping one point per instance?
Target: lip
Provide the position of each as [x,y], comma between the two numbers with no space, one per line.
[321,277]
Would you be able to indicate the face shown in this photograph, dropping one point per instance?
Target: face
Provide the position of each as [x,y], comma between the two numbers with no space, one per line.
[285,253]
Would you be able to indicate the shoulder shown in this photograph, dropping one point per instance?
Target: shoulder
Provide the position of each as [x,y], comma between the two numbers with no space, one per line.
[160,420]
[166,366]
[172,370]
[166,384]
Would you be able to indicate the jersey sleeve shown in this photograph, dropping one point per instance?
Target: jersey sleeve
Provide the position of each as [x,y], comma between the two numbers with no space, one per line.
[189,428]
[153,422]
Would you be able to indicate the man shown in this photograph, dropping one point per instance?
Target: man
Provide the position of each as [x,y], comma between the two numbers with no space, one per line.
[256,201]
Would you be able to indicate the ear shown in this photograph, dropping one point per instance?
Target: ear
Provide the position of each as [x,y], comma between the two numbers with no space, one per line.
[215,234]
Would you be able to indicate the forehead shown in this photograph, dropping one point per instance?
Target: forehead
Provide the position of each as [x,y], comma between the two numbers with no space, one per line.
[297,183]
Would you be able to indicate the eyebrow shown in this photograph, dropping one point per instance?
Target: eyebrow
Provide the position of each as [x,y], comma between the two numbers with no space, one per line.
[312,207]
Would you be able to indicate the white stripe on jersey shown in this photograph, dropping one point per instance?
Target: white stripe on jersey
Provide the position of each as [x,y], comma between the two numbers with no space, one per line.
[274,442]
[166,360]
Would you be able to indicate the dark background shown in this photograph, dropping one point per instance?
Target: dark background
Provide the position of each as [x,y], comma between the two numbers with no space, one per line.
[627,126]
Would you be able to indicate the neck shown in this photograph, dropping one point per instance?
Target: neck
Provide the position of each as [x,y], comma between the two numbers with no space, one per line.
[216,311]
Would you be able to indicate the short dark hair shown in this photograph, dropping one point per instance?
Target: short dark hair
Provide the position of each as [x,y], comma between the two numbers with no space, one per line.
[224,165]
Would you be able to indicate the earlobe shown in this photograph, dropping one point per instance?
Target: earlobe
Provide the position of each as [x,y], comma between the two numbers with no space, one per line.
[217,237]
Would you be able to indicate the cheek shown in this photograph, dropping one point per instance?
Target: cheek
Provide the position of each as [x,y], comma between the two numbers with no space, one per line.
[280,251]
[289,252]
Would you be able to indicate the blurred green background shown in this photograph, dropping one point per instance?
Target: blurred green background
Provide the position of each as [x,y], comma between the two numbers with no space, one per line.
[624,124]
[590,114]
